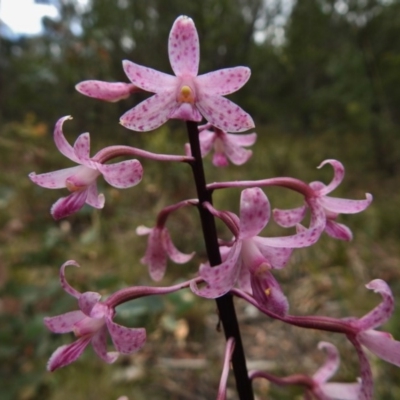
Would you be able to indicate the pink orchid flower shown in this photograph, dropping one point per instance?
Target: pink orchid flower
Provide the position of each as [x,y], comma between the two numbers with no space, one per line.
[380,343]
[159,248]
[107,91]
[324,390]
[317,386]
[250,259]
[186,95]
[90,325]
[333,206]
[81,180]
[226,146]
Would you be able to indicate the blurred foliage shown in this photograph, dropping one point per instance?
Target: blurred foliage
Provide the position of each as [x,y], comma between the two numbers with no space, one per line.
[327,87]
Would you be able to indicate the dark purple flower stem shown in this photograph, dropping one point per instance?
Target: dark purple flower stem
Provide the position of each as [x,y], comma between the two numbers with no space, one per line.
[225,304]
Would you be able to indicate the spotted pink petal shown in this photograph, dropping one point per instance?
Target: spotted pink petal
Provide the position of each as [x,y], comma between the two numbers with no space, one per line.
[68,205]
[224,114]
[55,179]
[223,81]
[184,47]
[338,170]
[126,340]
[149,79]
[174,254]
[82,147]
[63,323]
[122,175]
[155,257]
[331,364]
[67,354]
[382,312]
[63,146]
[221,278]
[288,218]
[63,281]
[338,231]
[87,301]
[381,344]
[108,91]
[150,113]
[254,212]
[345,206]
[99,343]
[94,199]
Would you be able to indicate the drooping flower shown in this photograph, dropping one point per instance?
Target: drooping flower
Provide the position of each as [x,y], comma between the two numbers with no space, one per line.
[107,91]
[159,249]
[81,180]
[333,206]
[317,386]
[380,343]
[90,325]
[186,95]
[226,146]
[250,259]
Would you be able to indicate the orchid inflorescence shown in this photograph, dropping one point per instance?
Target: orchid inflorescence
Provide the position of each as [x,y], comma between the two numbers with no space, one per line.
[243,266]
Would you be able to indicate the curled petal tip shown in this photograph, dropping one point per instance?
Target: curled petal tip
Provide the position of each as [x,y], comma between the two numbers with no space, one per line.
[378,286]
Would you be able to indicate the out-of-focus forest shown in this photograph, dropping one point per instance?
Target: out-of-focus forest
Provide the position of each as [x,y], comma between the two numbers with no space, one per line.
[325,84]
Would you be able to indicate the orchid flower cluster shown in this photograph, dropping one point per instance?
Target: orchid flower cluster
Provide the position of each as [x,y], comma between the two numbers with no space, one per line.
[242,267]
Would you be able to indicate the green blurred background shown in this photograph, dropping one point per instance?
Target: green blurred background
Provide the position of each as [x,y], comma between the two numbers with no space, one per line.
[325,84]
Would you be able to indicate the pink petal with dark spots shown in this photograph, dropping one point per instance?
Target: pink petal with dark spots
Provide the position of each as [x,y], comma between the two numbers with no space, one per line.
[331,364]
[99,343]
[224,114]
[63,323]
[383,311]
[108,91]
[149,79]
[150,113]
[223,81]
[126,340]
[82,147]
[122,175]
[55,179]
[183,47]
[254,212]
[156,256]
[345,206]
[67,354]
[338,170]
[288,218]
[63,146]
[68,205]
[221,278]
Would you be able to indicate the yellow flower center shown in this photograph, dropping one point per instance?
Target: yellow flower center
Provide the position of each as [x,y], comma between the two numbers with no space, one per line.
[186,95]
